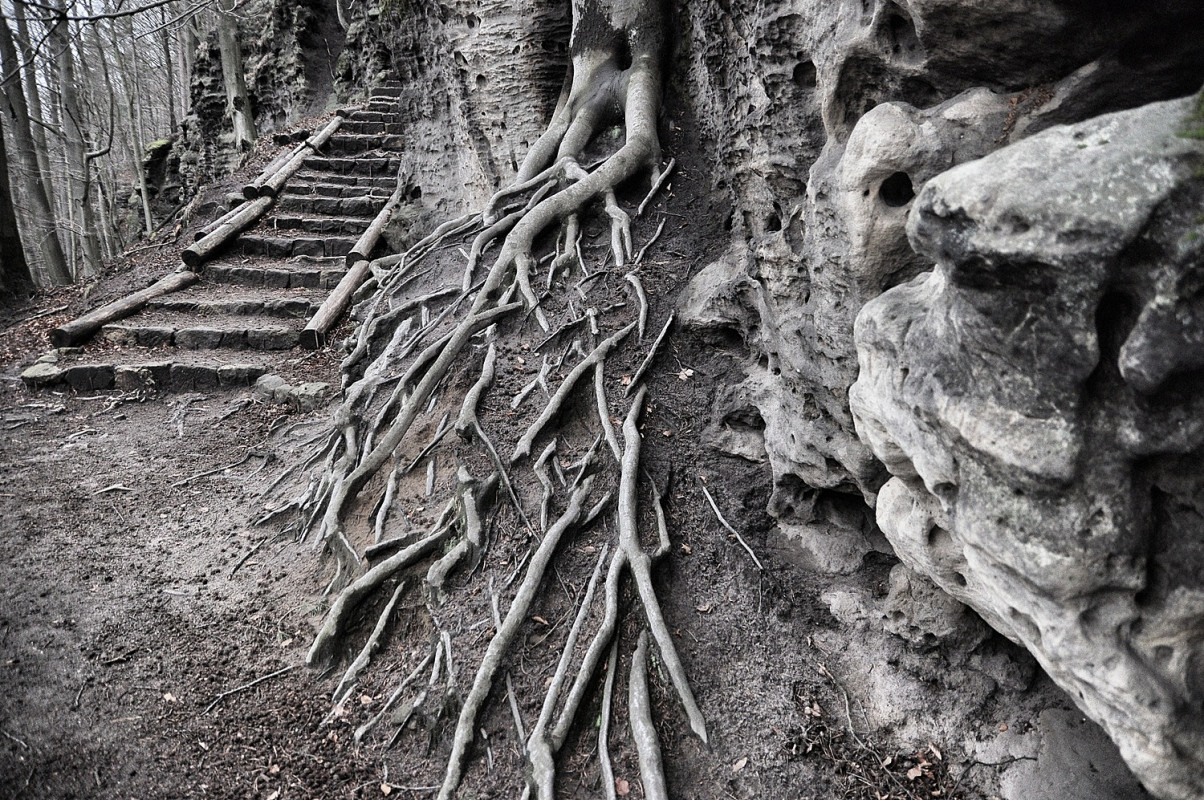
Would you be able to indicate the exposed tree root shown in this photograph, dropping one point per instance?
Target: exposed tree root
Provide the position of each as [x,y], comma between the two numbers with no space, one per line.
[410,355]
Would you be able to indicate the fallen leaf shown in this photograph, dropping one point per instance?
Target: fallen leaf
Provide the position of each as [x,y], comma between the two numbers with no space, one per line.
[1003,728]
[366,699]
[274,769]
[169,698]
[622,787]
[704,609]
[888,761]
[685,548]
[739,765]
[540,620]
[936,752]
[274,795]
[668,433]
[625,381]
[914,773]
[386,789]
[685,374]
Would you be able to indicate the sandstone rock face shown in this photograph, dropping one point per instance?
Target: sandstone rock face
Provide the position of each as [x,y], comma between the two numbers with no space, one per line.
[1039,401]
[825,119]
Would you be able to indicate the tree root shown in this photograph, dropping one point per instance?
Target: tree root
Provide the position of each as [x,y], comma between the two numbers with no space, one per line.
[593,360]
[347,682]
[641,568]
[505,635]
[639,709]
[337,617]
[539,747]
[647,362]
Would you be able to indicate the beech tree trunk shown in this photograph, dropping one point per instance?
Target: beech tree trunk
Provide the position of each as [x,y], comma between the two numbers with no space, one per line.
[15,280]
[29,172]
[83,216]
[33,96]
[238,101]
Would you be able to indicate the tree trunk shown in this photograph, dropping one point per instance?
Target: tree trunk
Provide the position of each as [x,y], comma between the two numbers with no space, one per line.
[131,87]
[15,280]
[238,102]
[169,73]
[29,172]
[34,100]
[83,216]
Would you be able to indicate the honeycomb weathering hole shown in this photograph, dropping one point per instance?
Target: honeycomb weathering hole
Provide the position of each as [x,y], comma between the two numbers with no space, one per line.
[897,191]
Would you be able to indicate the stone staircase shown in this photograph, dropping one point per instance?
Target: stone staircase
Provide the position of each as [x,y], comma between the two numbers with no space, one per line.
[247,310]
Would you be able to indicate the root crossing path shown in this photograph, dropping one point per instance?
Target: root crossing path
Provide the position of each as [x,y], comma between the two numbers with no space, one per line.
[244,313]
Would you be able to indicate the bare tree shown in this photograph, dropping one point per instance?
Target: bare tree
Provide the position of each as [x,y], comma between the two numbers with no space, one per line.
[15,279]
[238,101]
[29,171]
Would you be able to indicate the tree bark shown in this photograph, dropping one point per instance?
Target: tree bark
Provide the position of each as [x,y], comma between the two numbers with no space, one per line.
[238,101]
[29,172]
[33,96]
[15,279]
[83,215]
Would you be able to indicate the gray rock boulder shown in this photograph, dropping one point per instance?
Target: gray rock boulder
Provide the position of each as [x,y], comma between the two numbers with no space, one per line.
[1039,401]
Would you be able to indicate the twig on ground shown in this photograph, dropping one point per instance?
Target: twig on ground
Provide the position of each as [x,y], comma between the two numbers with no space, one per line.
[246,686]
[727,525]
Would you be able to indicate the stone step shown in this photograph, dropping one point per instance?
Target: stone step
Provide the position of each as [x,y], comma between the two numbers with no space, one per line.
[331,206]
[210,299]
[352,143]
[372,166]
[305,274]
[189,332]
[351,125]
[385,90]
[333,185]
[138,368]
[254,244]
[391,117]
[337,226]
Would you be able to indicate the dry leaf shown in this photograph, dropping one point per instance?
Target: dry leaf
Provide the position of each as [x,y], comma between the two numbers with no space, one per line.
[625,381]
[685,374]
[685,548]
[705,609]
[739,765]
[169,698]
[540,620]
[1003,728]
[274,795]
[914,773]
[274,769]
[622,787]
[366,699]
[936,752]
[386,789]
[668,433]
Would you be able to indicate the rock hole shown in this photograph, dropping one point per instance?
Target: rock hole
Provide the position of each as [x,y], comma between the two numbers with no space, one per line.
[804,74]
[902,32]
[623,54]
[773,223]
[959,579]
[1163,654]
[896,191]
[473,20]
[416,192]
[481,81]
